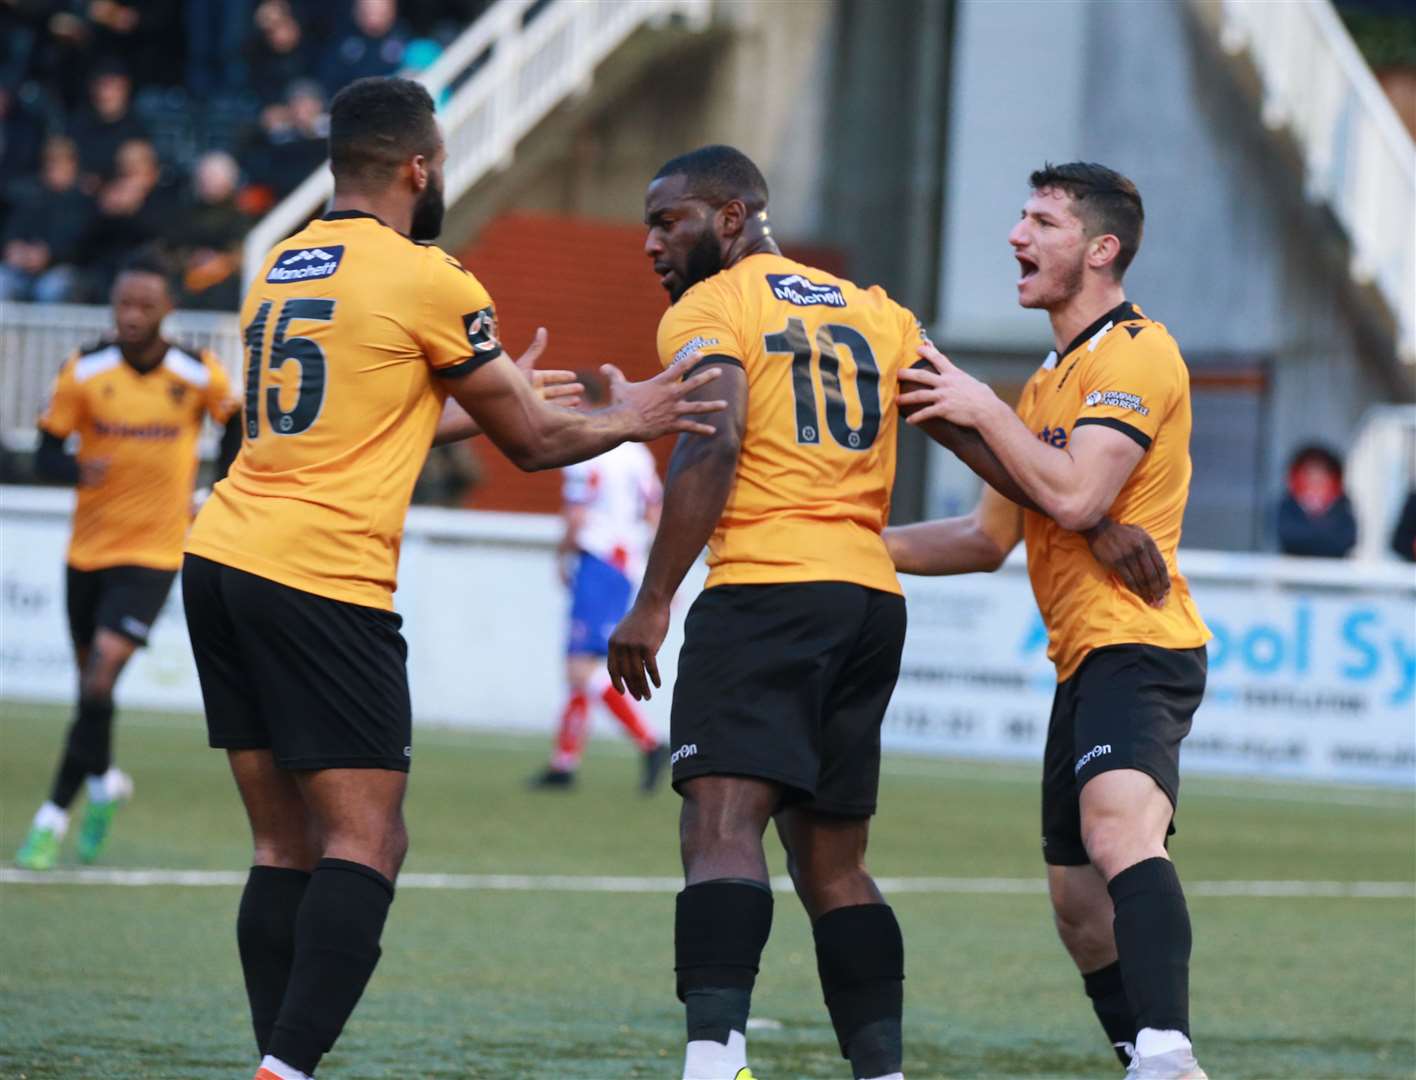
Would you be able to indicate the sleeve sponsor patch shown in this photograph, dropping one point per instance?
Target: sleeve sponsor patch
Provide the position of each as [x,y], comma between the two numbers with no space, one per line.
[1117,399]
[305,264]
[697,344]
[481,327]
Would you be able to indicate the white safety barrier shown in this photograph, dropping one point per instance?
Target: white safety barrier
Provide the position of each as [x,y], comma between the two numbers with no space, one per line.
[1358,158]
[1312,670]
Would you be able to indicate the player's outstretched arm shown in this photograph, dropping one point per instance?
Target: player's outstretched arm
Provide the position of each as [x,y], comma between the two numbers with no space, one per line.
[979,541]
[537,435]
[701,475]
[554,387]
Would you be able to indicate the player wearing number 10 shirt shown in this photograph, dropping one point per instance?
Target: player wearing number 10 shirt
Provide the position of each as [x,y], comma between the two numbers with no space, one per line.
[356,335]
[792,651]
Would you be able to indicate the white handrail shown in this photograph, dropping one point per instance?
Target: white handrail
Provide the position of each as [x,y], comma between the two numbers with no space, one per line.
[1358,156]
[529,61]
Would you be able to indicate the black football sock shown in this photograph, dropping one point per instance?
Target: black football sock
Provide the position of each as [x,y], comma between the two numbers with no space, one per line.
[88,749]
[1108,997]
[720,928]
[336,949]
[860,955]
[265,936]
[1153,943]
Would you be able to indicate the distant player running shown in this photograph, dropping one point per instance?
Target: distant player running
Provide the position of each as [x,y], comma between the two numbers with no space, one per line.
[792,650]
[137,404]
[610,507]
[1103,428]
[356,334]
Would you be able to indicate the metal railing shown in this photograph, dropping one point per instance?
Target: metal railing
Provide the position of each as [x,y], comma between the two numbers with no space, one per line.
[496,82]
[1358,157]
[36,338]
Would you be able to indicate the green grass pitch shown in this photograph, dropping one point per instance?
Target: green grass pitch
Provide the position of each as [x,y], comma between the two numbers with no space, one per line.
[110,981]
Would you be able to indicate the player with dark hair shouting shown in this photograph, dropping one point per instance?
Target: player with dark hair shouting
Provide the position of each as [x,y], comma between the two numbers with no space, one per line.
[1102,431]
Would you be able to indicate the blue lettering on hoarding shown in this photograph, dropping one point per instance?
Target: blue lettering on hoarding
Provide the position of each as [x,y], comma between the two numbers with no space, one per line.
[1406,662]
[1352,637]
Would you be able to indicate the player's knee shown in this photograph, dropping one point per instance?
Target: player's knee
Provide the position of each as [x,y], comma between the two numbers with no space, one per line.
[1113,842]
[1082,927]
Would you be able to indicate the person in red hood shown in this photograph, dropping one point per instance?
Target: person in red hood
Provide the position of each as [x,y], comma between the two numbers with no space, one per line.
[1315,516]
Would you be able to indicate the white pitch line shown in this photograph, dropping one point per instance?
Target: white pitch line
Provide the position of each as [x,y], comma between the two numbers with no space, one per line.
[578,883]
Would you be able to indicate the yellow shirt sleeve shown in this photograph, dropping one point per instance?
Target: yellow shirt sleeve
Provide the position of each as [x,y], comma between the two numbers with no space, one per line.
[1132,385]
[458,325]
[706,319]
[66,403]
[220,404]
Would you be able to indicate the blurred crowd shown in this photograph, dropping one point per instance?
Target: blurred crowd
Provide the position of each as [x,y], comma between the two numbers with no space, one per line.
[172,125]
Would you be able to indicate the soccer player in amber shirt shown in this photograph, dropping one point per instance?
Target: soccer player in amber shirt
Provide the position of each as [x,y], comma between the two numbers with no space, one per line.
[357,332]
[137,404]
[1103,428]
[792,650]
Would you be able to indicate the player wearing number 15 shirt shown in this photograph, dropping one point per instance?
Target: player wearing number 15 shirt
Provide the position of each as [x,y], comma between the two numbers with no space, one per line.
[792,650]
[356,335]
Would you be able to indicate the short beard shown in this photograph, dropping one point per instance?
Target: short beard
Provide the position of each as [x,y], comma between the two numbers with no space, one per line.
[704,260]
[428,213]
[1068,286]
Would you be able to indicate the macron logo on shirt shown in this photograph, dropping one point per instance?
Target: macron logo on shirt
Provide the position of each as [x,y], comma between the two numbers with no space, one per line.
[306,264]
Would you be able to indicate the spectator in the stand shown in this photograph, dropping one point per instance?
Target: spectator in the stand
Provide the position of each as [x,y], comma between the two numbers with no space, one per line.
[146,33]
[216,31]
[45,232]
[134,208]
[277,54]
[1403,537]
[290,144]
[1315,516]
[105,123]
[21,136]
[205,235]
[374,45]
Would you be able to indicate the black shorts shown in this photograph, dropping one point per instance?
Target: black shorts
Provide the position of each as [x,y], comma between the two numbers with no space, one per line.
[1126,707]
[124,599]
[321,683]
[789,683]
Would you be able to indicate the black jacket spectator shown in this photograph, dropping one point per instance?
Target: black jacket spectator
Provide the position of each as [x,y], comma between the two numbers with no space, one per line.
[52,211]
[277,53]
[1315,517]
[290,144]
[105,124]
[374,45]
[134,208]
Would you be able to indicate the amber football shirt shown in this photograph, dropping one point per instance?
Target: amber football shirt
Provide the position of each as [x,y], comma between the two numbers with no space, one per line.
[1124,372]
[348,326]
[812,491]
[145,425]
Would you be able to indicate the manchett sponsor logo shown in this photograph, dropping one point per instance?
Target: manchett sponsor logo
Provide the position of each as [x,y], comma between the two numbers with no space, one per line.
[1118,399]
[1095,752]
[687,750]
[795,289]
[698,344]
[305,264]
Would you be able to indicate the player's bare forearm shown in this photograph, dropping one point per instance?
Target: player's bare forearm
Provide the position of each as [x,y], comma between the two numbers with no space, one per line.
[969,447]
[701,475]
[977,542]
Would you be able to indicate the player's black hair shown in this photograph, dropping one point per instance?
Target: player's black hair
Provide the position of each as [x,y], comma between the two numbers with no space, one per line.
[375,125]
[1107,202]
[149,261]
[718,174]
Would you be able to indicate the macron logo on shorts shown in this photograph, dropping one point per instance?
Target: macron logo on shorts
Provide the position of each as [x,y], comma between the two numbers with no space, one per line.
[306,264]
[1095,752]
[136,627]
[687,750]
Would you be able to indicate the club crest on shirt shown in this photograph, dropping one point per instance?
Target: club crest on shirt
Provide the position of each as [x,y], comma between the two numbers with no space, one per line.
[481,327]
[801,291]
[305,264]
[177,391]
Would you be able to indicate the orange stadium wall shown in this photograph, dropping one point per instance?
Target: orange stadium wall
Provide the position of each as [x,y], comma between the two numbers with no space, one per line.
[589,284]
